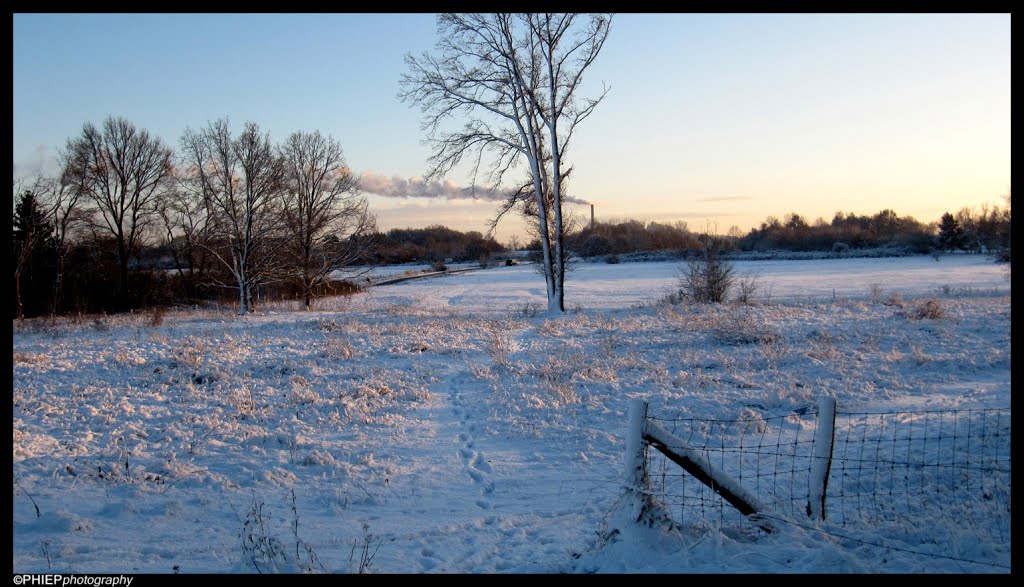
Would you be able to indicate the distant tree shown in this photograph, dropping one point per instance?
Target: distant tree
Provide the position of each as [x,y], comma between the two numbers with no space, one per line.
[884,224]
[1002,231]
[1008,225]
[241,180]
[631,236]
[514,243]
[324,214]
[121,169]
[592,246]
[795,222]
[186,230]
[951,234]
[432,243]
[33,250]
[971,232]
[63,197]
[515,77]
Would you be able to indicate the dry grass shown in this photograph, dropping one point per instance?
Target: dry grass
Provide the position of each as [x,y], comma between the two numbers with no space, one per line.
[926,309]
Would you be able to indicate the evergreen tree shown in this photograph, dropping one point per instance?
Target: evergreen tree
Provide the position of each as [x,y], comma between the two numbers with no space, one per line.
[951,234]
[33,259]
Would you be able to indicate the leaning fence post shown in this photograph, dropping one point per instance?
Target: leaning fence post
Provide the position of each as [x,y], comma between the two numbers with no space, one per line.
[635,479]
[821,464]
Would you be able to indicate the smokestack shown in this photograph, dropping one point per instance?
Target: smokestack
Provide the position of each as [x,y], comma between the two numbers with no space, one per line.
[591,216]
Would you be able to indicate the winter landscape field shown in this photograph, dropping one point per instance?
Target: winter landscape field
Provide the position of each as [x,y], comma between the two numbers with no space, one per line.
[449,425]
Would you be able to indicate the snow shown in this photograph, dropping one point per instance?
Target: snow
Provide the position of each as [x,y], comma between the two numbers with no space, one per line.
[447,425]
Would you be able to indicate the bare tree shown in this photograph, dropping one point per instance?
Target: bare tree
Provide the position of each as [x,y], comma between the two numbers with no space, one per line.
[61,197]
[513,243]
[120,169]
[326,219]
[186,227]
[514,78]
[240,180]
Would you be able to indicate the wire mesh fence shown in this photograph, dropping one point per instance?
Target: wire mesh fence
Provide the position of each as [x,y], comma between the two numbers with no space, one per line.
[769,456]
[935,476]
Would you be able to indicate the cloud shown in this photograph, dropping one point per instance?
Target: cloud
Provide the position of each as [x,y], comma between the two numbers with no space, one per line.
[39,163]
[415,187]
[398,187]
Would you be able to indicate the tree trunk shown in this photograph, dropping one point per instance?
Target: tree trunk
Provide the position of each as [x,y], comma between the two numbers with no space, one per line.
[58,285]
[242,290]
[559,297]
[558,270]
[542,223]
[122,258]
[17,294]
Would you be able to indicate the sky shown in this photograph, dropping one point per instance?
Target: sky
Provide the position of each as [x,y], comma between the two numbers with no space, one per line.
[716,120]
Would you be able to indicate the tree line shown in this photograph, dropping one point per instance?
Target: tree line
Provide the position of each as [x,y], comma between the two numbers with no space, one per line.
[982,230]
[128,222]
[431,244]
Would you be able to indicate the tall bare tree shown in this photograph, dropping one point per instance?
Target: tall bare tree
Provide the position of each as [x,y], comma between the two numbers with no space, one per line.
[241,180]
[325,216]
[121,169]
[186,225]
[62,197]
[514,79]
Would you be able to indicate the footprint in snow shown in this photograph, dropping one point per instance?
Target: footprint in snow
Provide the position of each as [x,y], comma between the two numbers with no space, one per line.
[481,464]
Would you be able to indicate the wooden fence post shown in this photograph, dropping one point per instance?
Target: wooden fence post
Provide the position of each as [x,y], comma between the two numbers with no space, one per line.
[821,462]
[635,479]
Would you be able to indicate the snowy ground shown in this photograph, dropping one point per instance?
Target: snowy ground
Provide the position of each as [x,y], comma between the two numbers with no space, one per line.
[446,426]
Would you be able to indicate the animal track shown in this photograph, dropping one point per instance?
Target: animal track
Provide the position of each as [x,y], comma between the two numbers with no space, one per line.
[477,467]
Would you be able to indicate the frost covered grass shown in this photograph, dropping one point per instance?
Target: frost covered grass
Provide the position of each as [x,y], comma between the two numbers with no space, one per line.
[423,427]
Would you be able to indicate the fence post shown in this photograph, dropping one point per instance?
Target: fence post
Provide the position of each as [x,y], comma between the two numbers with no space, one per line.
[636,479]
[821,462]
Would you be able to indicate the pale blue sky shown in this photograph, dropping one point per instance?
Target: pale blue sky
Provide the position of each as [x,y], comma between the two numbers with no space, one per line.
[713,119]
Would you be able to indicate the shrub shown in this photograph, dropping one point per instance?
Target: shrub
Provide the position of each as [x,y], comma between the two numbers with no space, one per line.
[875,291]
[928,309]
[895,299]
[747,285]
[156,316]
[438,266]
[530,310]
[706,277]
[612,259]
[740,328]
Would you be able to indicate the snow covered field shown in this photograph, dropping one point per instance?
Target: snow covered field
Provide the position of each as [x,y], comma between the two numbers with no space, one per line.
[443,425]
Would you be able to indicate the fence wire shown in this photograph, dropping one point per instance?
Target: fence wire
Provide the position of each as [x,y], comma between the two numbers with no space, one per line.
[935,476]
